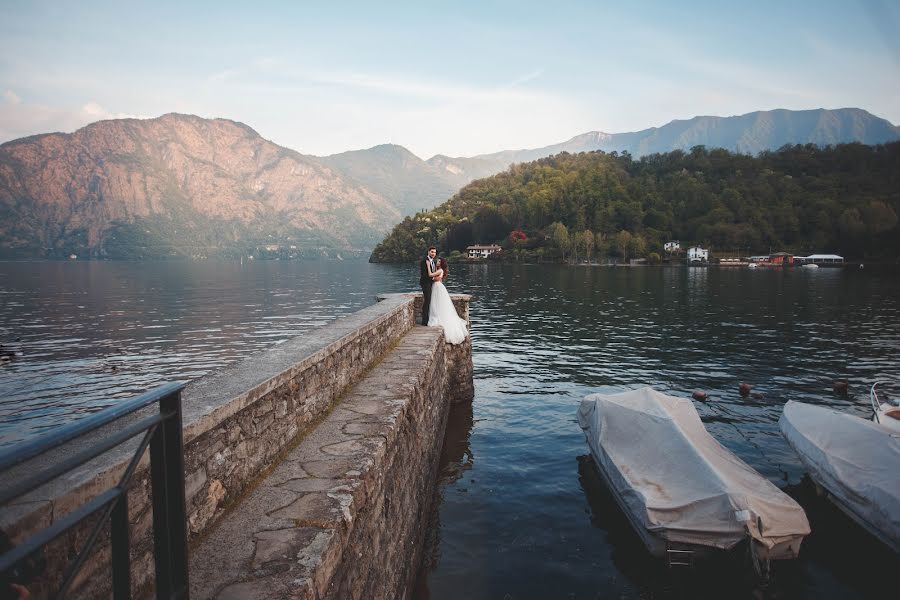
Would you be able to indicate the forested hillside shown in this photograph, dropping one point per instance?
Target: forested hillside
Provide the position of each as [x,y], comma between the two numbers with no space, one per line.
[804,199]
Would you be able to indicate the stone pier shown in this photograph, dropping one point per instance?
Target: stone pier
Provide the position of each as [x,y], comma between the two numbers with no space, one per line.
[309,468]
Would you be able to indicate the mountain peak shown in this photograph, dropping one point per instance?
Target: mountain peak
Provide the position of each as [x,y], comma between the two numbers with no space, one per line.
[177,185]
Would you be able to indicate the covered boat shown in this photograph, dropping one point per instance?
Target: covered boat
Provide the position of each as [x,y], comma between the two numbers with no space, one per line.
[678,486]
[855,460]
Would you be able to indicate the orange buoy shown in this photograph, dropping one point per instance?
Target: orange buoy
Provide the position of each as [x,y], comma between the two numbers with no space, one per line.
[744,389]
[699,395]
[841,386]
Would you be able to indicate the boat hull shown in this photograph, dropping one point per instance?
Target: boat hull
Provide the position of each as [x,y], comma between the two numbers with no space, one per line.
[856,461]
[679,487]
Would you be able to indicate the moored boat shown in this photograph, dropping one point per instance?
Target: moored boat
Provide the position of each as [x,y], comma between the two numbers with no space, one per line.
[855,461]
[682,491]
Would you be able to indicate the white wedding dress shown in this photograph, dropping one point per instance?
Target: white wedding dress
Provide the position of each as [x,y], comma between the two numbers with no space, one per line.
[442,312]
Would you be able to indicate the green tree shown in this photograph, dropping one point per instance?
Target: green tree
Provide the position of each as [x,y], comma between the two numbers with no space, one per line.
[559,233]
[588,244]
[637,247]
[623,243]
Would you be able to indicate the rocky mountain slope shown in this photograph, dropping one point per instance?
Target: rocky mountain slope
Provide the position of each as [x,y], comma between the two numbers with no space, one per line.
[177,185]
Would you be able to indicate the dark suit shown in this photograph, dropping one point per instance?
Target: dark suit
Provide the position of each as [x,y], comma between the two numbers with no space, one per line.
[426,282]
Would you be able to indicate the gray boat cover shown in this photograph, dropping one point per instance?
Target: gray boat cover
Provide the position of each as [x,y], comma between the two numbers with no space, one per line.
[678,482]
[856,460]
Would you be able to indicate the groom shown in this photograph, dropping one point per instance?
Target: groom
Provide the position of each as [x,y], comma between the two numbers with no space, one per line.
[427,266]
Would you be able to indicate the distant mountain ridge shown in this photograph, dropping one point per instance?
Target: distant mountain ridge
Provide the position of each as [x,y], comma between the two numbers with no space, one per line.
[751,133]
[411,183]
[181,185]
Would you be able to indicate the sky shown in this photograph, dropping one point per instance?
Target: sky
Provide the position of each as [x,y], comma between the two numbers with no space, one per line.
[455,78]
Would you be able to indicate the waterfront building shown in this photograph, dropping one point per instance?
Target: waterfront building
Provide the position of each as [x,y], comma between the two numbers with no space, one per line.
[481,251]
[673,246]
[697,254]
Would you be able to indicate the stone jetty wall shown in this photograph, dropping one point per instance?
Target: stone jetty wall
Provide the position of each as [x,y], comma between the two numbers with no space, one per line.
[238,423]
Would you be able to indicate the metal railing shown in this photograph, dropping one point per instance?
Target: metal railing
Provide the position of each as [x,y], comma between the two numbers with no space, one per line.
[162,433]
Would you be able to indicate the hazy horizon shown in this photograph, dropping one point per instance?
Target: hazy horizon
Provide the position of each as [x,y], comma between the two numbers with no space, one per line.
[461,81]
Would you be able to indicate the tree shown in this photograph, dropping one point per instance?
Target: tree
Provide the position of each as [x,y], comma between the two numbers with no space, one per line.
[879,217]
[623,243]
[460,236]
[577,244]
[559,234]
[637,247]
[488,225]
[588,244]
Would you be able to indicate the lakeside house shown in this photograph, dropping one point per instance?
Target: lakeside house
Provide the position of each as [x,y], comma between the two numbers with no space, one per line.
[777,259]
[481,251]
[781,259]
[673,246]
[697,254]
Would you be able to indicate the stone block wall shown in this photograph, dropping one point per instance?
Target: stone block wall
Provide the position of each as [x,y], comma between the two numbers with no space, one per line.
[381,555]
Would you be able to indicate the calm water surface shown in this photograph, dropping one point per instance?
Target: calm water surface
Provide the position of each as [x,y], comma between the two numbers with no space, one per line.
[91,333]
[521,512]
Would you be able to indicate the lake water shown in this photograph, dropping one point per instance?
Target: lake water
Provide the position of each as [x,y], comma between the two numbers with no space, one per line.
[91,333]
[520,513]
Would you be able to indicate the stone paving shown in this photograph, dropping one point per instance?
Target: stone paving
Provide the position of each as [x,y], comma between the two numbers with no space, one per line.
[370,460]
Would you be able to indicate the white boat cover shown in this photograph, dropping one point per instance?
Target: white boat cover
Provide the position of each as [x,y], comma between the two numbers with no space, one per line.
[678,482]
[856,460]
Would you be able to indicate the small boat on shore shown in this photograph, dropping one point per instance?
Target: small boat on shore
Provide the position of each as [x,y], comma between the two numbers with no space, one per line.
[855,461]
[685,494]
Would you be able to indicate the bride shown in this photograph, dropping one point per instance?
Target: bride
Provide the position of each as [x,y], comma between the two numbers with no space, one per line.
[441,311]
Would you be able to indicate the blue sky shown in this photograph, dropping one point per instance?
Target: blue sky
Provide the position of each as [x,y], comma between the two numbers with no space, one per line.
[458,78]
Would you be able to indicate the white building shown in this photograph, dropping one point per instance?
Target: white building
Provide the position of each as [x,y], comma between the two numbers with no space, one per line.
[821,259]
[697,254]
[673,246]
[482,251]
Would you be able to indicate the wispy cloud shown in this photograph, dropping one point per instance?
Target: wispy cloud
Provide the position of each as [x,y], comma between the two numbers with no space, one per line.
[527,77]
[273,74]
[345,108]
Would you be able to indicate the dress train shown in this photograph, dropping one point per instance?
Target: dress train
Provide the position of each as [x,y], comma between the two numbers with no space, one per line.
[442,312]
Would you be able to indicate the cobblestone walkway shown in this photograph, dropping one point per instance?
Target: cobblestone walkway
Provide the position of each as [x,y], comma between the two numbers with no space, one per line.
[285,538]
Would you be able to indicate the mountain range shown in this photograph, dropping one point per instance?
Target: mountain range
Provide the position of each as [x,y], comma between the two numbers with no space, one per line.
[181,185]
[748,134]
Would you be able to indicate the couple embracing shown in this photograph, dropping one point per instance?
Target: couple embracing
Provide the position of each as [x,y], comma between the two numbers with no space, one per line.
[437,307]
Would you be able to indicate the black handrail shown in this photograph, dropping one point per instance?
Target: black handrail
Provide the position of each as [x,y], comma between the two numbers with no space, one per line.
[61,435]
[163,436]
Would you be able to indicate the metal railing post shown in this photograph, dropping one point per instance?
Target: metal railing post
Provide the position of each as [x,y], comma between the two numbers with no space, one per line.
[169,515]
[119,540]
